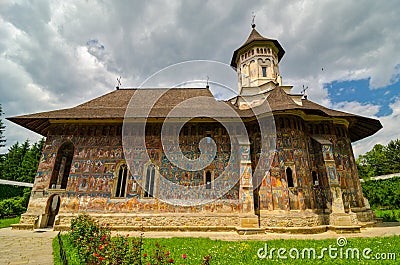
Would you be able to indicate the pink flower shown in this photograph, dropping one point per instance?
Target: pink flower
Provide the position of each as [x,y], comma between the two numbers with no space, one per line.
[184,256]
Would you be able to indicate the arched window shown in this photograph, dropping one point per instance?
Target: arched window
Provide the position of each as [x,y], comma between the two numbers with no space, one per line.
[315,178]
[121,181]
[264,71]
[62,166]
[289,177]
[208,180]
[149,183]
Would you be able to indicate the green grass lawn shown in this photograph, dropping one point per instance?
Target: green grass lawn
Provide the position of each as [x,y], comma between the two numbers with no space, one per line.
[245,252]
[9,221]
[388,215]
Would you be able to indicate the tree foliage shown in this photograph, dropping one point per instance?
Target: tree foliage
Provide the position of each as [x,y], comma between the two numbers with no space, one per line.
[19,164]
[2,128]
[381,160]
[383,194]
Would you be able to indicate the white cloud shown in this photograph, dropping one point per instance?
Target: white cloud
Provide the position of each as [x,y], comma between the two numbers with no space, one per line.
[390,130]
[368,110]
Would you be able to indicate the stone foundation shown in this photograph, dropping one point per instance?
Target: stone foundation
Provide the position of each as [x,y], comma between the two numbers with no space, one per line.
[286,219]
[300,222]
[159,222]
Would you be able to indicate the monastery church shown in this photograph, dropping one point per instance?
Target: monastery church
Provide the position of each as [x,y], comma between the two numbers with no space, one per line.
[301,176]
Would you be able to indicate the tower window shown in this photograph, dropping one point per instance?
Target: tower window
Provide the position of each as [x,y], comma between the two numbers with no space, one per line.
[264,71]
[208,180]
[149,185]
[121,182]
[289,177]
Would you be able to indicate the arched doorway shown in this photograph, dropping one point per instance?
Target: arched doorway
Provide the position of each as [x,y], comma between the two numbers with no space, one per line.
[53,205]
[62,166]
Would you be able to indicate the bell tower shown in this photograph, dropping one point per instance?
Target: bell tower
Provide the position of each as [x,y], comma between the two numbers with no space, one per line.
[257,64]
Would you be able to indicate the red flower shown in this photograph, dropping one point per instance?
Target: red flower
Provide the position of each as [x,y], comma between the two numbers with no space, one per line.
[184,256]
[167,254]
[103,238]
[96,254]
[145,255]
[101,247]
[101,258]
[171,261]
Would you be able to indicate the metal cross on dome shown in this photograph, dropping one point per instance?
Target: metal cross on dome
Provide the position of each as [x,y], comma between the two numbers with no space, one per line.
[253,25]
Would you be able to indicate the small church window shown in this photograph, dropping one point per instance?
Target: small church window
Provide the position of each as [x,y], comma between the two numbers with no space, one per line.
[264,71]
[289,177]
[149,185]
[208,180]
[121,181]
[315,178]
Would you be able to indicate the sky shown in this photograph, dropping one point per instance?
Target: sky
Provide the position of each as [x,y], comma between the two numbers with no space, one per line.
[58,54]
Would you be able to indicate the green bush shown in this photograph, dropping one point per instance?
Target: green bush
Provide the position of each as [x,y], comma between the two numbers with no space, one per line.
[383,193]
[95,245]
[12,206]
[7,191]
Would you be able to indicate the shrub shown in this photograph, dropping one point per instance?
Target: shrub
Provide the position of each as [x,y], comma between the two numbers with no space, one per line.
[95,245]
[12,206]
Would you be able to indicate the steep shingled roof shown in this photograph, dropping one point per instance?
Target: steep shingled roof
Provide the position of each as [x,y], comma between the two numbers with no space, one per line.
[114,104]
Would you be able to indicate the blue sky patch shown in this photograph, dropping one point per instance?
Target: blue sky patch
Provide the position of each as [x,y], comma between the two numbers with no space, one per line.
[359,90]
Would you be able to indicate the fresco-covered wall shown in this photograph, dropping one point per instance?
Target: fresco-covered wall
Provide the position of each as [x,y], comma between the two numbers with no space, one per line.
[298,151]
[97,155]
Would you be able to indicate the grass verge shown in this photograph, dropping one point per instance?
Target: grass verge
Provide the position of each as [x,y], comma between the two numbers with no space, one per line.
[388,215]
[9,221]
[245,252]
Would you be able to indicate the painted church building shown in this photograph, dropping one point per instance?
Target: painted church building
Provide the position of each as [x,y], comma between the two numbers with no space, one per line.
[301,175]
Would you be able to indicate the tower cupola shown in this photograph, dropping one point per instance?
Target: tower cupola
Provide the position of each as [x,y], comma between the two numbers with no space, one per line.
[256,63]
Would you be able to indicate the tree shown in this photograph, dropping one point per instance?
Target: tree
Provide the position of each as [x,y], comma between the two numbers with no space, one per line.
[19,164]
[380,160]
[393,155]
[2,128]
[30,162]
[21,161]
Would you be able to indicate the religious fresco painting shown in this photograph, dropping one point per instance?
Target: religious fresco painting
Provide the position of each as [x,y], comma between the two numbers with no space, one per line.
[296,169]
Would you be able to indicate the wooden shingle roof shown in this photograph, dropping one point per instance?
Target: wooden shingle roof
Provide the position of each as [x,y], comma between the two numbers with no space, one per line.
[114,105]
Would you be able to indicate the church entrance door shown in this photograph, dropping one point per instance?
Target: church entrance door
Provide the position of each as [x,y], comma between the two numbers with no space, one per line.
[53,205]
